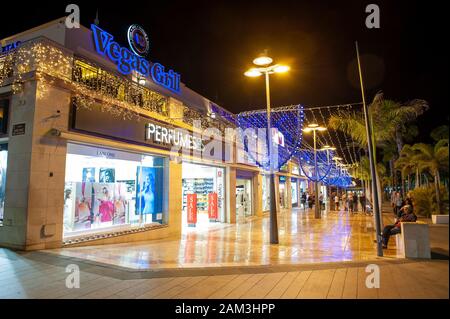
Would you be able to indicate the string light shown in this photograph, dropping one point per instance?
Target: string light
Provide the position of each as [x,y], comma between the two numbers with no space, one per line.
[89,84]
[287,120]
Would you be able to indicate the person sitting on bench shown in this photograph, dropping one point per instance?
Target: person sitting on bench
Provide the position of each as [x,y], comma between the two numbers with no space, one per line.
[407,215]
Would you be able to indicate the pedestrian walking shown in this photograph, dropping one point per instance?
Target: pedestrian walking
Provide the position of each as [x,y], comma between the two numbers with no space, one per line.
[336,202]
[362,201]
[344,201]
[350,202]
[355,202]
[303,200]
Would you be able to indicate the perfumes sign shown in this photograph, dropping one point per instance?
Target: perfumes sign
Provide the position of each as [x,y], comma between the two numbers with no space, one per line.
[172,136]
[128,61]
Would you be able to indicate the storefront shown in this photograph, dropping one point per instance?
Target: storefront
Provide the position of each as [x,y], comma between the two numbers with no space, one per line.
[205,186]
[108,189]
[4,117]
[110,151]
[3,167]
[243,198]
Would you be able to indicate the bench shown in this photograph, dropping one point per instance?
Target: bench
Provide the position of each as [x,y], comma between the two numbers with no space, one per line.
[415,240]
[439,219]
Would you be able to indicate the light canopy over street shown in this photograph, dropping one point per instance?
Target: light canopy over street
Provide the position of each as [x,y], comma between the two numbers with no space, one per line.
[216,150]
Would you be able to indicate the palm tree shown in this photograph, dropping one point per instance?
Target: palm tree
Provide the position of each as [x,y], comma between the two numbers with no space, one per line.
[389,121]
[407,164]
[434,159]
[362,171]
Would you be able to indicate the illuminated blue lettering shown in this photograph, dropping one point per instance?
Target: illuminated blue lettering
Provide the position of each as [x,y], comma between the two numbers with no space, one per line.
[144,68]
[114,51]
[10,47]
[102,39]
[127,61]
[170,80]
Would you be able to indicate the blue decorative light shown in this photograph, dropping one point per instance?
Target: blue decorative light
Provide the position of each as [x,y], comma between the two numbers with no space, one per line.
[127,61]
[287,125]
[307,164]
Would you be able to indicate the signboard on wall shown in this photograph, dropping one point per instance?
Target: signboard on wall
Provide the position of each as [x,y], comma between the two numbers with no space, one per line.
[18,129]
[191,209]
[128,61]
[143,130]
[212,207]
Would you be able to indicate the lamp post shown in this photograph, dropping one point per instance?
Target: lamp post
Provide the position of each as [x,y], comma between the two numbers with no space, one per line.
[372,162]
[338,165]
[328,149]
[313,128]
[266,67]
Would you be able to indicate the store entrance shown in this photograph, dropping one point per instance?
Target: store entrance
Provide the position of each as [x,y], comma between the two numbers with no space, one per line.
[203,193]
[243,199]
[283,192]
[294,192]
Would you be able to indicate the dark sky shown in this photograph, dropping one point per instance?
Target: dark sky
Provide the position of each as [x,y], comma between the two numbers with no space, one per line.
[211,44]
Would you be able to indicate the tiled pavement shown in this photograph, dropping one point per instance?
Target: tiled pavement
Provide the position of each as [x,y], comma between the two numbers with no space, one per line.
[37,275]
[303,239]
[43,275]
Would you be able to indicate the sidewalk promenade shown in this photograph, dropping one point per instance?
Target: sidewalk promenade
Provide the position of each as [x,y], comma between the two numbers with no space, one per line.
[323,258]
[336,237]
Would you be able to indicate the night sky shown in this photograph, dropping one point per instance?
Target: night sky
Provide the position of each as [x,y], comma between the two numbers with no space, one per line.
[211,44]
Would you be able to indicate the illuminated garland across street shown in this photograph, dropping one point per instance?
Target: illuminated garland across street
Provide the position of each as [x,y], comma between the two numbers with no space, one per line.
[306,160]
[287,125]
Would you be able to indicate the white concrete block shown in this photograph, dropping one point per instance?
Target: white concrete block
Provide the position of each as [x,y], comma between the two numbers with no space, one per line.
[439,219]
[416,240]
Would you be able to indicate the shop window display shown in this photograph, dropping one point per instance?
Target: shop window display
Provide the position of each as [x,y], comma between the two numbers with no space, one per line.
[208,183]
[243,198]
[109,188]
[266,192]
[3,166]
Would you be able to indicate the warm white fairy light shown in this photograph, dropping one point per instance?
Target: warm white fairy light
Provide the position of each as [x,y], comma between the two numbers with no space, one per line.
[51,64]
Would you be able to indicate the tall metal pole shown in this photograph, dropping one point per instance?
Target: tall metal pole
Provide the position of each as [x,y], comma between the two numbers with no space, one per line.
[273,203]
[316,182]
[376,207]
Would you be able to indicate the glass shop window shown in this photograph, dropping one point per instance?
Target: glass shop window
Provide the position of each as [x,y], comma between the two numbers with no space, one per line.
[4,111]
[3,167]
[108,188]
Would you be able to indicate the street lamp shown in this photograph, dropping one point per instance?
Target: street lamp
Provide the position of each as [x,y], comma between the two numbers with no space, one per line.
[266,67]
[328,149]
[313,127]
[338,165]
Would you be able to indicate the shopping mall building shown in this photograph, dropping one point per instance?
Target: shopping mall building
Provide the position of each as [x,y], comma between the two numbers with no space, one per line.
[88,128]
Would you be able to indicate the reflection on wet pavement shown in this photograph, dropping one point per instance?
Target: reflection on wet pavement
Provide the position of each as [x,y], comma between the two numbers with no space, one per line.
[334,238]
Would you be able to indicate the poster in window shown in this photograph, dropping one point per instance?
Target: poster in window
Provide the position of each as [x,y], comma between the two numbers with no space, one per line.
[107,175]
[191,209]
[83,206]
[103,204]
[149,190]
[89,174]
[120,203]
[212,207]
[3,160]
